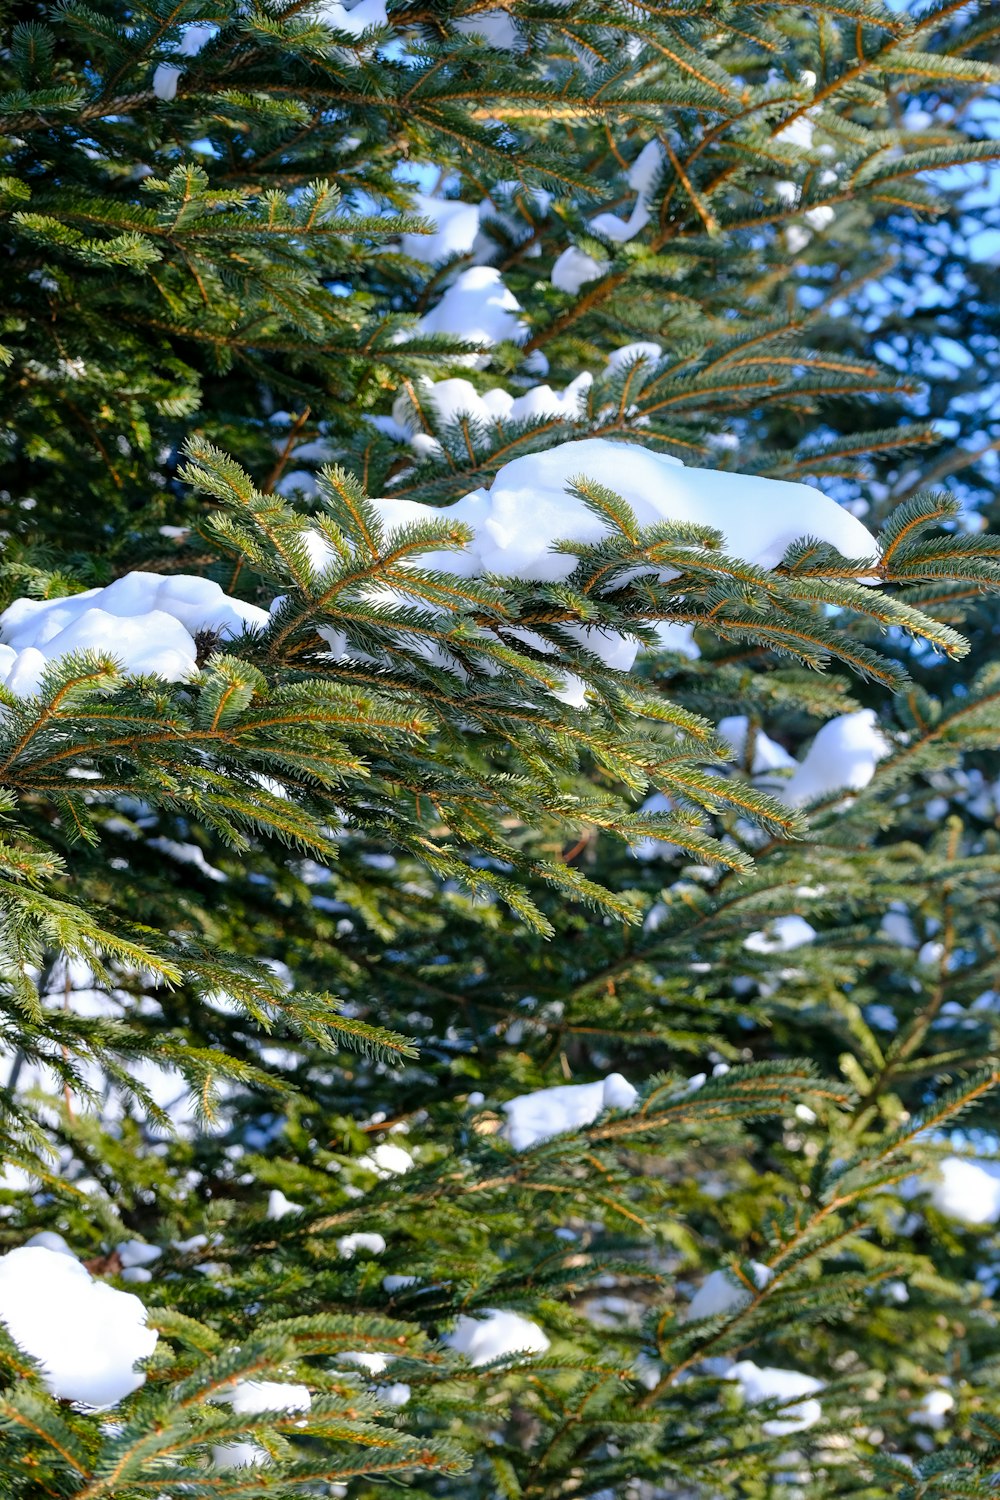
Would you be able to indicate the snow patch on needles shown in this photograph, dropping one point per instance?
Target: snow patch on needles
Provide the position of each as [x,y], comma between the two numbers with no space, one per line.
[85,1335]
[251,1398]
[477,307]
[768,1383]
[356,18]
[456,225]
[349,1244]
[386,1160]
[147,622]
[933,1410]
[532,1118]
[166,76]
[574,268]
[529,507]
[783,934]
[842,757]
[496,1334]
[454,399]
[721,1292]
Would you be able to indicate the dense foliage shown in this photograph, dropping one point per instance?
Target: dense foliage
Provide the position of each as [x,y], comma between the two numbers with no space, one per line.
[288,920]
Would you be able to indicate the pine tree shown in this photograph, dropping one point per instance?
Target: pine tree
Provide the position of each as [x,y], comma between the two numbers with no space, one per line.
[339,831]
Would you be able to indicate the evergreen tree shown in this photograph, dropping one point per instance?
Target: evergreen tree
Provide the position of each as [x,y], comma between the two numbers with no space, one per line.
[499,930]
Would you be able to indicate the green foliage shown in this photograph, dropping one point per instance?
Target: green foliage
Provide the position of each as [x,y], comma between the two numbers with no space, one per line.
[365,876]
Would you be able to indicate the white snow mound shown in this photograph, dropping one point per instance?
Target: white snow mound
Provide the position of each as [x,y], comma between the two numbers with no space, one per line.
[721,1292]
[249,1398]
[536,1117]
[965,1190]
[769,1383]
[495,1335]
[85,1335]
[528,508]
[146,621]
[842,757]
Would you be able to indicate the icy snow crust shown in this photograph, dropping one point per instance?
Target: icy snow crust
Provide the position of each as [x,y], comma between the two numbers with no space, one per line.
[85,1335]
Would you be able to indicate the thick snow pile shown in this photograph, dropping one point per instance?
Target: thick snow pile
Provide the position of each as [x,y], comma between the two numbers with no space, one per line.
[768,1383]
[85,1335]
[965,1190]
[842,757]
[496,1334]
[146,621]
[536,1117]
[528,507]
[721,1292]
[250,1398]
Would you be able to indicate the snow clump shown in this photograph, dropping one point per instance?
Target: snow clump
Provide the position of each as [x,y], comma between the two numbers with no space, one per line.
[721,1292]
[965,1190]
[933,1410]
[166,76]
[386,1160]
[769,1383]
[496,1334]
[146,621]
[250,1398]
[842,757]
[478,308]
[781,936]
[528,507]
[85,1335]
[354,17]
[532,1118]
